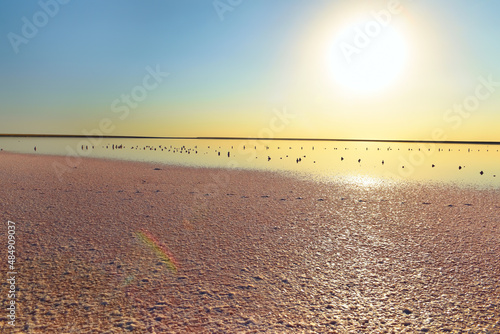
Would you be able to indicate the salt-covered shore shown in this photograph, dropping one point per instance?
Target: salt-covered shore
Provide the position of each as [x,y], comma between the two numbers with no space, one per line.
[255,252]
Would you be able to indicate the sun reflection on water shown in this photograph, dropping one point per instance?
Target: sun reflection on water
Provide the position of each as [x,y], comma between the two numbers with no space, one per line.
[364,181]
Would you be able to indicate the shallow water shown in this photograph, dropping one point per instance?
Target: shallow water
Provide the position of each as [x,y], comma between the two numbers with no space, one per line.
[359,162]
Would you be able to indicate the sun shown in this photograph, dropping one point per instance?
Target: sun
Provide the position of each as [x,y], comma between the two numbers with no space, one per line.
[368,57]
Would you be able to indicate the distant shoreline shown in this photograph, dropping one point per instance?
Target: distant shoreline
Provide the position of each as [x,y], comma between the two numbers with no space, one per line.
[255,138]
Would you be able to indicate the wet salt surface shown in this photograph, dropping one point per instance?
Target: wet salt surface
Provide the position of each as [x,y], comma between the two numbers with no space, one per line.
[257,251]
[464,164]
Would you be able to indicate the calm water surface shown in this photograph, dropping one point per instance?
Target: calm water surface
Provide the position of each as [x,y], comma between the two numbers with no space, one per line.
[363,162]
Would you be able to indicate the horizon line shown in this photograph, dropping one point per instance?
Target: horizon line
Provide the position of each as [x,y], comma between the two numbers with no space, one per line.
[256,138]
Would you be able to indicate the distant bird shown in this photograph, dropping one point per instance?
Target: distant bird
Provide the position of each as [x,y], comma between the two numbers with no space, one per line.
[433,165]
[35,148]
[341,158]
[481,173]
[459,167]
[268,158]
[382,162]
[359,160]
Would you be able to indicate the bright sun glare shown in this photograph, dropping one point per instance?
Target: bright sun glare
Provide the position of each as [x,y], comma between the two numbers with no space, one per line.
[368,57]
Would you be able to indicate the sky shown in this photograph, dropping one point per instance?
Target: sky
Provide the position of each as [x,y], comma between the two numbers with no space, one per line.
[402,70]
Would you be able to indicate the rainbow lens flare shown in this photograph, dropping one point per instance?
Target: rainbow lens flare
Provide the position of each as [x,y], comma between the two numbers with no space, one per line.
[159,249]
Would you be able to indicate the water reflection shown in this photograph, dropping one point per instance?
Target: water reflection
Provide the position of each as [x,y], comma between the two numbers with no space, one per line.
[364,181]
[365,163]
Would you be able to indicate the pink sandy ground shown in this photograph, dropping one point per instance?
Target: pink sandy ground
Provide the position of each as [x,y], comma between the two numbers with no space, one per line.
[256,252]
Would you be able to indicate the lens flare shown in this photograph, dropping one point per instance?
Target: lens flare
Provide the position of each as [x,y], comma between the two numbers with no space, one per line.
[159,249]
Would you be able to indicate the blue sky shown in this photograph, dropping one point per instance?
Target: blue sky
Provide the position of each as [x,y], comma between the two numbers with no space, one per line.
[227,77]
